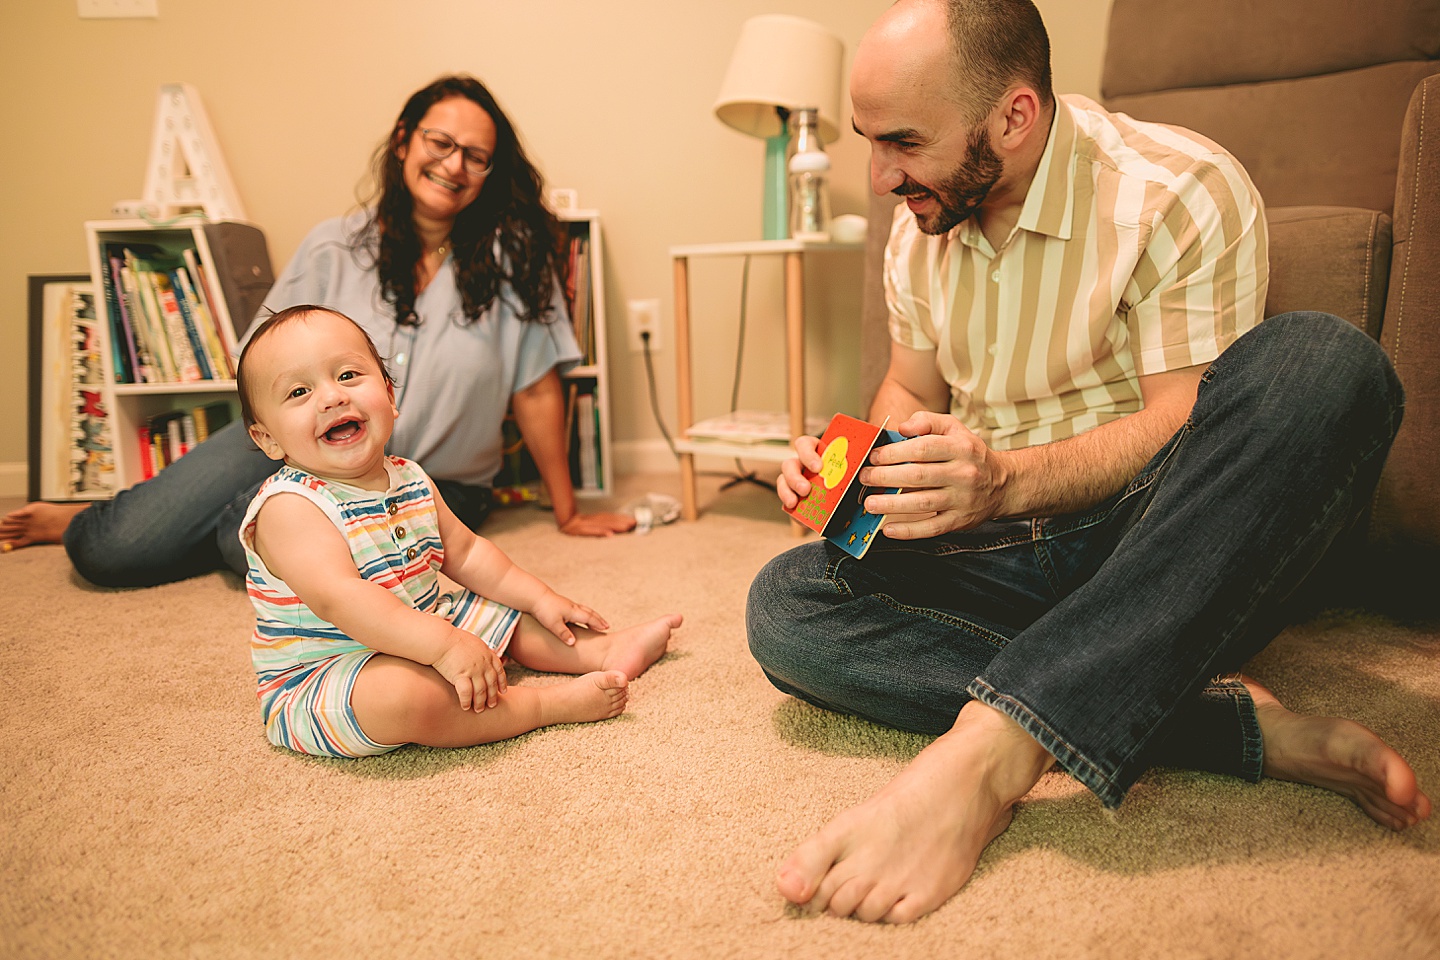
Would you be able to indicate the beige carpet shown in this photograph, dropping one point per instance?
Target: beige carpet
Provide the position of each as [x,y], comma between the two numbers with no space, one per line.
[144,814]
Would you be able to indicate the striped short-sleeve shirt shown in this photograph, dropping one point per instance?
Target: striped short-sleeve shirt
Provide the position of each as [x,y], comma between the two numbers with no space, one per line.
[1140,248]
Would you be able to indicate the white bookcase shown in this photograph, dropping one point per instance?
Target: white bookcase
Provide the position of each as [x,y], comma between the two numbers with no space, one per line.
[237,272]
[234,258]
[591,376]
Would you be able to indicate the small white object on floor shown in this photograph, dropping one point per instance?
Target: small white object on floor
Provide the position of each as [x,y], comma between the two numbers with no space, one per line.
[652,510]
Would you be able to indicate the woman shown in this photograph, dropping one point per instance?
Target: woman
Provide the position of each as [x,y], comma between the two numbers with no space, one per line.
[454,271]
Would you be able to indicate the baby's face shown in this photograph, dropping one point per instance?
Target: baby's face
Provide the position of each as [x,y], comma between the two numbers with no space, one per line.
[320,400]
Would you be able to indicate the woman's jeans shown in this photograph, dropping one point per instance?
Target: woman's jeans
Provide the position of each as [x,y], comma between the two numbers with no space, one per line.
[1102,632]
[186,520]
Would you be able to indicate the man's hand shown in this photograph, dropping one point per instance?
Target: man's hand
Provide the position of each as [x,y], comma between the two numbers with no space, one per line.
[944,469]
[555,613]
[473,669]
[597,524]
[791,485]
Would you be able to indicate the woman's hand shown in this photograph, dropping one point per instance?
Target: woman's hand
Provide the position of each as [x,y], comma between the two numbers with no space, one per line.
[597,524]
[555,613]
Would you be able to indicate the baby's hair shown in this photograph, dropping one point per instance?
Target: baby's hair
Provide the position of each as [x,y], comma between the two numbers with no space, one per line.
[275,320]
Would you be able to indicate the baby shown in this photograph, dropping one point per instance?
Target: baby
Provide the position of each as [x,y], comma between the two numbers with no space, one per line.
[358,646]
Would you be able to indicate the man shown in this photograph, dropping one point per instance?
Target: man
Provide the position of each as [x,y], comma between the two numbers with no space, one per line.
[1115,474]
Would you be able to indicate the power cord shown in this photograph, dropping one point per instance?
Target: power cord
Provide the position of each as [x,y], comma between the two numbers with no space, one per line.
[743,476]
[654,401]
[655,405]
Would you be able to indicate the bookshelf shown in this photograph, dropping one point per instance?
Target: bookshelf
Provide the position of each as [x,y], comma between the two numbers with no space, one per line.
[171,302]
[586,386]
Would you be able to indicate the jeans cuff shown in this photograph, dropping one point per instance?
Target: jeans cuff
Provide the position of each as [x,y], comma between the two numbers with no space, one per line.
[1066,755]
[1252,744]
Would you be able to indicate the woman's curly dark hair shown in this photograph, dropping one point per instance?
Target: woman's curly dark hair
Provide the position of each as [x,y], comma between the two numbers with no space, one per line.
[506,236]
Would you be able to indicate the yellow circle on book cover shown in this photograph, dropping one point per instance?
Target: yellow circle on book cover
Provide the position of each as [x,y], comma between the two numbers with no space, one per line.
[833,465]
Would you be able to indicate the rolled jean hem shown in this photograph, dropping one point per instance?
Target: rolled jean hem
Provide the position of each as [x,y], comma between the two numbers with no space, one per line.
[1069,758]
[1252,744]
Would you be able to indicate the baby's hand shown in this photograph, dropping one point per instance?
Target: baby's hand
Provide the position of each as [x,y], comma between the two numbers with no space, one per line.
[556,613]
[473,669]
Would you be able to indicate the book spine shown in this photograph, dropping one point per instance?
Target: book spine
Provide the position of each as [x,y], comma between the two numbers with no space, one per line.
[206,323]
[147,452]
[585,427]
[202,427]
[149,368]
[188,432]
[119,361]
[175,432]
[122,298]
[207,294]
[186,366]
[154,321]
[192,328]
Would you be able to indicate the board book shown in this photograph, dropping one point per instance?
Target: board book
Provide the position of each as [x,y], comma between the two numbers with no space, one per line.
[835,506]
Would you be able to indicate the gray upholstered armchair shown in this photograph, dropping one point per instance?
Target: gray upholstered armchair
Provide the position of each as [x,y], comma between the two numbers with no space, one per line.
[1333,106]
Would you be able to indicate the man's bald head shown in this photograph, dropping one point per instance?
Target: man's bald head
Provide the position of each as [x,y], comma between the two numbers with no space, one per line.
[967,51]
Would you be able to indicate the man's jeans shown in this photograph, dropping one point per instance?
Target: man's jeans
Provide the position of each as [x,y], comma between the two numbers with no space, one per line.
[1102,632]
[186,520]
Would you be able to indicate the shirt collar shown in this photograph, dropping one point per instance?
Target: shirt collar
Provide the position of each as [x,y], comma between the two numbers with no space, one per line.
[1050,202]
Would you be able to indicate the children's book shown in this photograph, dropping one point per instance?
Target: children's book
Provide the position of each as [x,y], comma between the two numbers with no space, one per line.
[835,506]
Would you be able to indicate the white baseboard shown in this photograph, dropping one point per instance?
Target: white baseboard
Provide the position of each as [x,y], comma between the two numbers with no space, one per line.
[643,456]
[14,479]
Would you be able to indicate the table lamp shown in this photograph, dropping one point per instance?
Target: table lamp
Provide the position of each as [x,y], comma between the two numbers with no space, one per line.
[781,63]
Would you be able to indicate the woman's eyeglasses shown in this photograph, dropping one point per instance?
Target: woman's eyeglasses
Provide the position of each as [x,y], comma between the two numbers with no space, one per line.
[440,145]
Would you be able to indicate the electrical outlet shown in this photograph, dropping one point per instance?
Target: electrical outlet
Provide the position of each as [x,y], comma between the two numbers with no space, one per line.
[644,317]
[117,9]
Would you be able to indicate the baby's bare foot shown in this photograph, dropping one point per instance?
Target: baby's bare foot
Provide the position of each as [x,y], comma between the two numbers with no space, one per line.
[634,649]
[1342,756]
[593,696]
[36,523]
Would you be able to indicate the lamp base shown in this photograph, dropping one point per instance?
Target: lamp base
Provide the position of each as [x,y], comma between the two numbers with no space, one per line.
[776,212]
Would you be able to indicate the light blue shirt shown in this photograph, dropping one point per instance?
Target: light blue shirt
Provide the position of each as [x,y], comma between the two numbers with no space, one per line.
[453,379]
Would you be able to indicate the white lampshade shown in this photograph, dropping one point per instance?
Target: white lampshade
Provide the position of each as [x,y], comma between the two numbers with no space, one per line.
[782,61]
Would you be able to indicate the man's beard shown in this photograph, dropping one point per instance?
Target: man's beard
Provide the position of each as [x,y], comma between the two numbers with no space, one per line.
[960,194]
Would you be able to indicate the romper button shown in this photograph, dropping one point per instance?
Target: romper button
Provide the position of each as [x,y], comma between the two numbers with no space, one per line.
[995,276]
[411,553]
[399,533]
[390,508]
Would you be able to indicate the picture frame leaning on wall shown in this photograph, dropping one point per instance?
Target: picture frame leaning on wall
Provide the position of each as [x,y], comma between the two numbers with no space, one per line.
[70,449]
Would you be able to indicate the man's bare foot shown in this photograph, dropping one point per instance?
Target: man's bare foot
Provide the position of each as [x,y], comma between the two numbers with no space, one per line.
[633,649]
[909,848]
[37,523]
[593,696]
[1341,756]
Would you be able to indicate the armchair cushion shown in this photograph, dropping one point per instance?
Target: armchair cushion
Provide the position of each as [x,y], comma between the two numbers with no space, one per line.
[1333,259]
[1328,139]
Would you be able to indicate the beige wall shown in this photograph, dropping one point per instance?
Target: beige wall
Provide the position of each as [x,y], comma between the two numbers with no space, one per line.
[613,99]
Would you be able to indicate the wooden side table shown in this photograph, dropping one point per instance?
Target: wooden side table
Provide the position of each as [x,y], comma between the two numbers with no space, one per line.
[794,252]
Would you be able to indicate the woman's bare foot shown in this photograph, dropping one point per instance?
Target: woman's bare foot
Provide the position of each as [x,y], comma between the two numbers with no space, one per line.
[632,650]
[909,848]
[37,523]
[1340,755]
[593,696]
